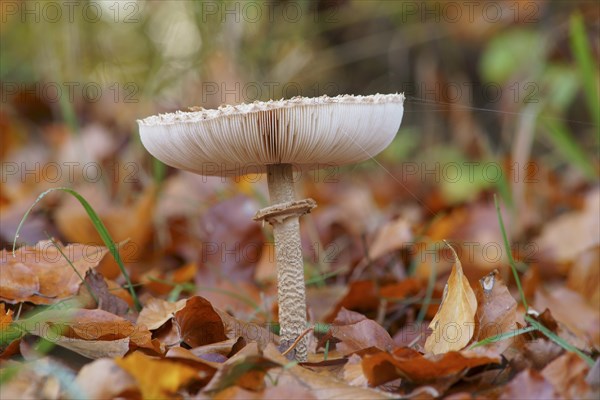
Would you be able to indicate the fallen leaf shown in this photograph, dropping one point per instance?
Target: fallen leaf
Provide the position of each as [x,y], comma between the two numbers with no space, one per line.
[157,312]
[251,332]
[584,276]
[584,232]
[567,374]
[321,300]
[361,296]
[382,367]
[92,379]
[199,323]
[95,349]
[40,274]
[92,333]
[572,310]
[355,332]
[157,378]
[496,311]
[392,236]
[247,373]
[107,301]
[529,384]
[225,348]
[454,322]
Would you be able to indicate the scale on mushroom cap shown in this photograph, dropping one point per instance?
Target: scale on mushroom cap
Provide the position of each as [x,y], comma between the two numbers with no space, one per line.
[277,137]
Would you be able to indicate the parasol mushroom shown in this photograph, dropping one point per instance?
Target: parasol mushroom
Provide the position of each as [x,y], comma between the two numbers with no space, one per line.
[278,137]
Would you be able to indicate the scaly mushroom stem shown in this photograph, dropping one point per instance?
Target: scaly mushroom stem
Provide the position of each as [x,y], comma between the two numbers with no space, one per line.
[290,266]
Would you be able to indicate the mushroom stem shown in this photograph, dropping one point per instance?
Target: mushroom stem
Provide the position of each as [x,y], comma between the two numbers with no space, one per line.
[290,266]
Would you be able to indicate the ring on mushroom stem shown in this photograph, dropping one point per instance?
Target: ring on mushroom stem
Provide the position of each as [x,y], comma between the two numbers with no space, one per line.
[277,137]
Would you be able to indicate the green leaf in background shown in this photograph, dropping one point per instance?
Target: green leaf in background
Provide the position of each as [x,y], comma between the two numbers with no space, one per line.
[506,54]
[588,69]
[560,85]
[559,135]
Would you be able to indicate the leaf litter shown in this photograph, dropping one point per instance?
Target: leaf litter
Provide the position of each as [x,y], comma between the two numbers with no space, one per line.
[393,314]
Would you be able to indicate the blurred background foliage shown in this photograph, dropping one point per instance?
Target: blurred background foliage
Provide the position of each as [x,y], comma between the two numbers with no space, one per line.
[510,83]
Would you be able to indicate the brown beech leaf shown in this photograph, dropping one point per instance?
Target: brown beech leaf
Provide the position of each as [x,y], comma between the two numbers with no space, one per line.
[382,367]
[529,384]
[496,311]
[95,349]
[247,372]
[361,296]
[567,374]
[40,274]
[199,323]
[584,276]
[356,332]
[454,322]
[569,308]
[392,236]
[157,378]
[157,312]
[87,331]
[557,247]
[251,332]
[107,301]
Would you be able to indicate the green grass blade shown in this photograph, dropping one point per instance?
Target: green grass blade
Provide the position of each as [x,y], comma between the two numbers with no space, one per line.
[511,260]
[559,341]
[586,65]
[502,336]
[100,228]
[559,135]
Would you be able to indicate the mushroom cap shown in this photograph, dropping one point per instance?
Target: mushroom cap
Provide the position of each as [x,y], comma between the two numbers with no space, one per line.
[309,133]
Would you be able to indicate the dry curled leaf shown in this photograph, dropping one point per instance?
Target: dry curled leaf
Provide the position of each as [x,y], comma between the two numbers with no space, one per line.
[382,367]
[40,274]
[353,332]
[529,384]
[157,312]
[496,311]
[199,323]
[454,322]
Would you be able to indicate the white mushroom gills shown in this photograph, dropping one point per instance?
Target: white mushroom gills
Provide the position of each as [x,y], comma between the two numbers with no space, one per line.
[278,137]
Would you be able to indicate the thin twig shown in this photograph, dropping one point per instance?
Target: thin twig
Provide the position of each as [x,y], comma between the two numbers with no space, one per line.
[297,341]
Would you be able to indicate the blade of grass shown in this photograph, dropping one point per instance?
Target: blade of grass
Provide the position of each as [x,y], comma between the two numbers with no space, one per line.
[87,285]
[100,228]
[502,336]
[585,64]
[558,133]
[558,340]
[511,261]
